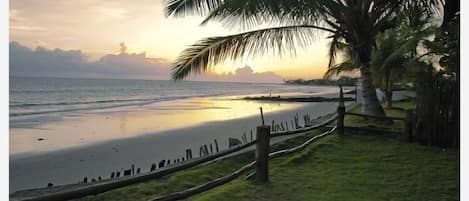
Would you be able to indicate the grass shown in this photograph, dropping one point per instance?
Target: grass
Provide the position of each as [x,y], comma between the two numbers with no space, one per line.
[352,167]
[188,178]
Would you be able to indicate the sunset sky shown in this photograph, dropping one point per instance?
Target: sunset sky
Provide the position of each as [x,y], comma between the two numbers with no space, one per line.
[98,27]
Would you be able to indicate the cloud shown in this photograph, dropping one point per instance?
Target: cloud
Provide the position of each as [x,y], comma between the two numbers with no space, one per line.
[42,62]
[244,74]
[73,63]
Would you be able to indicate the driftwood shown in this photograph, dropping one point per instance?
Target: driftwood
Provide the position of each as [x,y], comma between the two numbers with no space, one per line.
[161,164]
[244,138]
[189,154]
[304,129]
[216,145]
[233,142]
[203,151]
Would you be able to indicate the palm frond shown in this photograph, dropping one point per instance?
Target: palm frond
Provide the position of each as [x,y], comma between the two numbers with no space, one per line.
[409,45]
[188,7]
[211,51]
[336,70]
[249,13]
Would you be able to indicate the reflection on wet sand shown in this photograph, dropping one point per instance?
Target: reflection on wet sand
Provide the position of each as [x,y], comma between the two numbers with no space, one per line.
[102,125]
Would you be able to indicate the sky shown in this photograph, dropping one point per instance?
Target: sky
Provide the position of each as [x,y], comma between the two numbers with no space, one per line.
[96,29]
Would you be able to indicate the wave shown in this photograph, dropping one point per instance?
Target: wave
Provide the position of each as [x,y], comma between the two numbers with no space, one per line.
[125,102]
[77,103]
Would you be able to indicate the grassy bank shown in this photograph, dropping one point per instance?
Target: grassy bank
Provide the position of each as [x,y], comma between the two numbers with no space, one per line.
[353,167]
[189,178]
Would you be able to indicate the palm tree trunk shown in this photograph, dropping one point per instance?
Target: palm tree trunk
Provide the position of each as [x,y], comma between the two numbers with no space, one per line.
[371,105]
[388,87]
[389,98]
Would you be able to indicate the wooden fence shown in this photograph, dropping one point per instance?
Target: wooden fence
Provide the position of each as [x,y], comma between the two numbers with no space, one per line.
[262,148]
[264,134]
[104,186]
[405,134]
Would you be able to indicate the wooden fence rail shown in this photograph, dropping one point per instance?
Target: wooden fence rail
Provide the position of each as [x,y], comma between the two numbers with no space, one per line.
[225,179]
[375,117]
[94,189]
[406,133]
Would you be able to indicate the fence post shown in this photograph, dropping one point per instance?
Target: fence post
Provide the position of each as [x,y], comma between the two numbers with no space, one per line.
[341,113]
[408,126]
[262,153]
[356,93]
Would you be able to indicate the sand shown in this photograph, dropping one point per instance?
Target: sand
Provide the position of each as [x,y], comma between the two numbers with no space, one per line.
[65,166]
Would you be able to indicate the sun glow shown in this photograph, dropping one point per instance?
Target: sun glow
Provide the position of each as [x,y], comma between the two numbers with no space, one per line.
[143,28]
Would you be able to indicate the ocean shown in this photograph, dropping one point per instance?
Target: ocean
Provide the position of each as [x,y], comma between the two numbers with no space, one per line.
[43,96]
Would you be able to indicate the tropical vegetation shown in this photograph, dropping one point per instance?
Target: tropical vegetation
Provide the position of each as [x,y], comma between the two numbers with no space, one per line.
[382,39]
[354,23]
[344,81]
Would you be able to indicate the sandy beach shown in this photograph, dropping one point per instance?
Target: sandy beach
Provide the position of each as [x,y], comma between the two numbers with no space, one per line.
[34,169]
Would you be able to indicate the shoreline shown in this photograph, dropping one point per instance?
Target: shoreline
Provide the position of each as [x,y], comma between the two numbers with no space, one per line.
[72,165]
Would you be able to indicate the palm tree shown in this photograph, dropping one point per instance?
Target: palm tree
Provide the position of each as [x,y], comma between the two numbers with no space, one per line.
[395,51]
[353,22]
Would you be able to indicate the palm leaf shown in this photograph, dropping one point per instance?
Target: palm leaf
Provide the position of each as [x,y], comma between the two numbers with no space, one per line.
[409,45]
[211,51]
[336,70]
[188,7]
[248,13]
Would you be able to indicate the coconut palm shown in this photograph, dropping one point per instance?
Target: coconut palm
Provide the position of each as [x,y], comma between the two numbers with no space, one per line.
[394,53]
[295,24]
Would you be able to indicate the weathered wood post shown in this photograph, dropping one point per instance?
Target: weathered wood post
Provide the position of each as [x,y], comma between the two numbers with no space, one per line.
[262,153]
[408,126]
[189,151]
[356,93]
[262,116]
[216,145]
[341,113]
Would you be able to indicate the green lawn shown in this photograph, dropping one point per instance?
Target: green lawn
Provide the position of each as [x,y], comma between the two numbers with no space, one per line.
[188,178]
[352,167]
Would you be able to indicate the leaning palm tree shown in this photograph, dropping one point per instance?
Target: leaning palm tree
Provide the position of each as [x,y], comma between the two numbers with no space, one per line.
[295,24]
